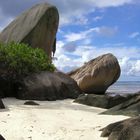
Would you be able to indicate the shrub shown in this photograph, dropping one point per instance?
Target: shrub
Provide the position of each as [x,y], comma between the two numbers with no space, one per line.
[21,59]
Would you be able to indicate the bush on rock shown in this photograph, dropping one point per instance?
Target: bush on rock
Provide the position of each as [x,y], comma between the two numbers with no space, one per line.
[20,59]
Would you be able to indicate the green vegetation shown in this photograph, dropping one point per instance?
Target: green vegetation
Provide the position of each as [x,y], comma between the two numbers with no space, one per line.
[21,59]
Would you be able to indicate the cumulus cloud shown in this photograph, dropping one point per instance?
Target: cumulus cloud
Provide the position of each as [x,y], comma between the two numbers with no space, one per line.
[130,67]
[67,8]
[72,36]
[97,18]
[128,57]
[64,61]
[109,3]
[103,31]
[107,31]
[135,68]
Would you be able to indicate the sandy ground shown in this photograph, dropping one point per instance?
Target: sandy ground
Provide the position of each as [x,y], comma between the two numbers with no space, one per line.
[57,120]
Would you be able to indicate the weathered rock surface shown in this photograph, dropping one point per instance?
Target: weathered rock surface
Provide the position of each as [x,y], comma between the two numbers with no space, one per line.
[130,107]
[1,105]
[39,86]
[97,75]
[36,27]
[102,101]
[47,86]
[92,100]
[128,129]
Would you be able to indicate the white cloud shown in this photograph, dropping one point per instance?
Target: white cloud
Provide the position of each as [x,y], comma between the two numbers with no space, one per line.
[85,37]
[130,67]
[125,65]
[107,31]
[110,3]
[103,31]
[71,11]
[128,57]
[90,52]
[79,36]
[74,36]
[135,68]
[134,35]
[87,41]
[97,18]
[76,11]
[63,61]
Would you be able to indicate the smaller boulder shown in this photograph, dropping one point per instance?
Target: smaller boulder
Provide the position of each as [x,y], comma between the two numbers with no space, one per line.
[30,103]
[123,130]
[97,74]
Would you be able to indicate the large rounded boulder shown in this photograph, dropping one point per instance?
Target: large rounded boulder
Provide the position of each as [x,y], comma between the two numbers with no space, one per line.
[36,27]
[40,86]
[46,86]
[98,74]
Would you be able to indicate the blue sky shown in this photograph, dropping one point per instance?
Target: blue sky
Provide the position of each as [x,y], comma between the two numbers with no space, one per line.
[90,28]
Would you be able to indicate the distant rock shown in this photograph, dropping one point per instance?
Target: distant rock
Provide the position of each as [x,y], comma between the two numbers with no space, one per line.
[128,129]
[102,101]
[130,107]
[1,104]
[97,74]
[36,27]
[31,103]
[47,86]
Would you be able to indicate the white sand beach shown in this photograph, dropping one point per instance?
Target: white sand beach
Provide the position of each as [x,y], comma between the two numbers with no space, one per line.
[55,120]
